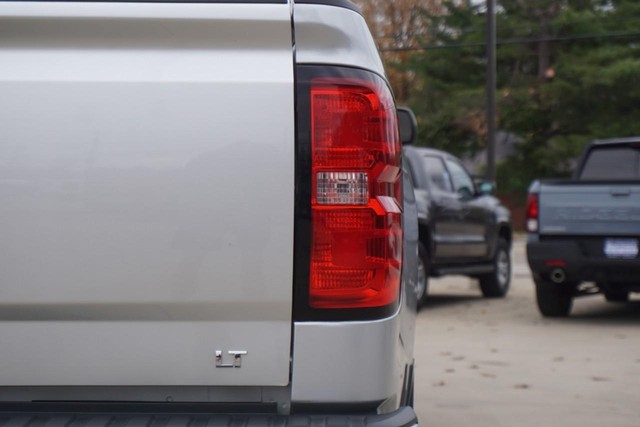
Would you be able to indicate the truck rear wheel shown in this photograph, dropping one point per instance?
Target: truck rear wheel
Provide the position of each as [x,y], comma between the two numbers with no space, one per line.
[496,284]
[554,300]
[616,296]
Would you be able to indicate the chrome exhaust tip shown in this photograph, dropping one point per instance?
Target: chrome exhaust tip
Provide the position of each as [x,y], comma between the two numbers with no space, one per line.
[558,275]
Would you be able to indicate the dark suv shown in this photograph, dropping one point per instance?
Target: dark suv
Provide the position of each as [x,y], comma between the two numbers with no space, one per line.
[464,229]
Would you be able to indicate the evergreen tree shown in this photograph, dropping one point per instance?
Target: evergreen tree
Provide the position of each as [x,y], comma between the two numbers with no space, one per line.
[567,73]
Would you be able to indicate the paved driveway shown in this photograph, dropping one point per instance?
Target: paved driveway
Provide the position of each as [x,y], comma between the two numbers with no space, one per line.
[490,363]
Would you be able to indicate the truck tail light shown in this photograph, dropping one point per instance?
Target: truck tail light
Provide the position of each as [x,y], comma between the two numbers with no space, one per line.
[533,204]
[356,200]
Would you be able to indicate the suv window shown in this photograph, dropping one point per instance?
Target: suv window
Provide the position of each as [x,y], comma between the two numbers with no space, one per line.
[437,173]
[462,182]
[611,163]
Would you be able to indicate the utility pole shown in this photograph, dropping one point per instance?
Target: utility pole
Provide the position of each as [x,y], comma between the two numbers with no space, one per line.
[491,90]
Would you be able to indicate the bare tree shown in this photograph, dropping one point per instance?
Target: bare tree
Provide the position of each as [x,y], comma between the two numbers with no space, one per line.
[398,26]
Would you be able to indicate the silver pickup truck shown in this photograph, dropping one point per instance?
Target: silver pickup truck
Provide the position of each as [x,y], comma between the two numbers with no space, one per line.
[201,217]
[584,234]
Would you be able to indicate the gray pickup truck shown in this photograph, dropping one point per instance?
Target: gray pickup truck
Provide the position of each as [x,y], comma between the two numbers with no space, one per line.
[584,234]
[204,218]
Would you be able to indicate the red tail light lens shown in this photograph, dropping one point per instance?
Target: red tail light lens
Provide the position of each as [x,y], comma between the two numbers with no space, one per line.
[532,213]
[356,243]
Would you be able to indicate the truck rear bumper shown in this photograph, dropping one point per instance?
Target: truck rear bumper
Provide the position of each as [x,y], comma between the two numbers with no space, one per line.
[403,417]
[581,261]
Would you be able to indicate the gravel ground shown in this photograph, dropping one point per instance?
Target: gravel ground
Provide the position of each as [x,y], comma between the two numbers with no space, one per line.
[499,363]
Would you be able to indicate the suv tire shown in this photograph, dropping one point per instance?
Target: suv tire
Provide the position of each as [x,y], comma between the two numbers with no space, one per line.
[496,284]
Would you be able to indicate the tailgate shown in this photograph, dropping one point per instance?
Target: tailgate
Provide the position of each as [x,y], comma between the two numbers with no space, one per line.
[594,209]
[146,193]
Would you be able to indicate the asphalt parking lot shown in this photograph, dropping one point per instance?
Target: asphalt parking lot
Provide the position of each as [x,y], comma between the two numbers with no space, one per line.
[499,363]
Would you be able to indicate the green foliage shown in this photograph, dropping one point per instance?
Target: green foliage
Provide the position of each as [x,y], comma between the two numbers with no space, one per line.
[568,72]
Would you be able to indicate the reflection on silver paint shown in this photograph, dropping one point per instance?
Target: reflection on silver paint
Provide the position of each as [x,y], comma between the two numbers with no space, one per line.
[346,361]
[334,35]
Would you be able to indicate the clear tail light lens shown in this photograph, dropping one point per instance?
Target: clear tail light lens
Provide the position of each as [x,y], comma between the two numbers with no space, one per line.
[356,241]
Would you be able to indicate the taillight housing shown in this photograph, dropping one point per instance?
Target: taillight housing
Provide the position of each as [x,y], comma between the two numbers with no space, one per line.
[356,240]
[533,211]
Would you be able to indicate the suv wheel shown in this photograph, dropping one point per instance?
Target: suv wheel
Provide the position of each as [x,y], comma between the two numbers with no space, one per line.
[496,284]
[554,300]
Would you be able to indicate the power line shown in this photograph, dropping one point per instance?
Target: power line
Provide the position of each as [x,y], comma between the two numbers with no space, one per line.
[610,35]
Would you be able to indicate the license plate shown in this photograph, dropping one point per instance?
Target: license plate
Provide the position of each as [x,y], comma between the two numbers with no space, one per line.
[621,248]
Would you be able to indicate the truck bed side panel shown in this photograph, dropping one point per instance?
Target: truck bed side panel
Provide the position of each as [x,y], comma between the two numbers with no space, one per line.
[351,361]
